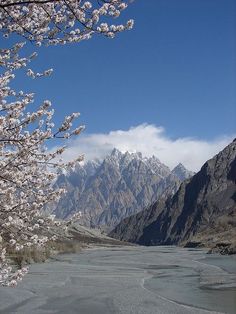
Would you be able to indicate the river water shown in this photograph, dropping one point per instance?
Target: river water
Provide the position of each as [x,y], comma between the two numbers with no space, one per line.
[137,280]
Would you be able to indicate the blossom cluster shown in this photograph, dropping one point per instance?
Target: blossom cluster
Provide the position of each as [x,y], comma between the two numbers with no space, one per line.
[27,169]
[61,21]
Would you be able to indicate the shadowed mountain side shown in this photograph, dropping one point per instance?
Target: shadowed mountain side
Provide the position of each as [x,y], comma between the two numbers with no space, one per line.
[203,205]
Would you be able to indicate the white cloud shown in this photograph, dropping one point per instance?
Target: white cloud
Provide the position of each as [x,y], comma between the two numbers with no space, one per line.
[149,140]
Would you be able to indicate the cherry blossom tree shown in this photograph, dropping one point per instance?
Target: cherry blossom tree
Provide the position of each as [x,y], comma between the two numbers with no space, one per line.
[27,168]
[61,21]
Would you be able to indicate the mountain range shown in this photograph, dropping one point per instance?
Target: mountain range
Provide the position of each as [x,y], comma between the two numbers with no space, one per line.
[120,185]
[202,212]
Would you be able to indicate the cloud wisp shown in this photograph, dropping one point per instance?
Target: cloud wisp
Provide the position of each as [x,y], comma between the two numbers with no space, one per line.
[149,140]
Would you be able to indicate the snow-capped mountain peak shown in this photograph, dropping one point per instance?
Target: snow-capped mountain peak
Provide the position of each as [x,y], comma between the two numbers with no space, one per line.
[121,184]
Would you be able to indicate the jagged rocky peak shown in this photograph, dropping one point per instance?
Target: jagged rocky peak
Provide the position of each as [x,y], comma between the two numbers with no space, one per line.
[116,153]
[136,155]
[122,160]
[129,155]
[107,190]
[153,159]
[153,163]
[181,172]
[91,166]
[157,166]
[114,157]
[121,184]
[179,167]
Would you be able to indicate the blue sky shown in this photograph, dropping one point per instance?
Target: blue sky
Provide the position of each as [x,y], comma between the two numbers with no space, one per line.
[176,69]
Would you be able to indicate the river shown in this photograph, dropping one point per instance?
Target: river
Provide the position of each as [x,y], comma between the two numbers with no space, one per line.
[137,280]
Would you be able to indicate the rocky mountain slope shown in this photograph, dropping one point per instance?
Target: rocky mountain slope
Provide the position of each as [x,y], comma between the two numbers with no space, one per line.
[122,184]
[202,211]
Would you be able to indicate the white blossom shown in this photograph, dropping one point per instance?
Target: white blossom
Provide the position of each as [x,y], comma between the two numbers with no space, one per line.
[60,22]
[27,170]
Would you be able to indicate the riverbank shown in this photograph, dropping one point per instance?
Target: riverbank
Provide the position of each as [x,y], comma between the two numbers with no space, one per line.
[75,240]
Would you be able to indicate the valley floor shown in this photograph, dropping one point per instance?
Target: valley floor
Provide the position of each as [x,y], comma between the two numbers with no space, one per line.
[137,280]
